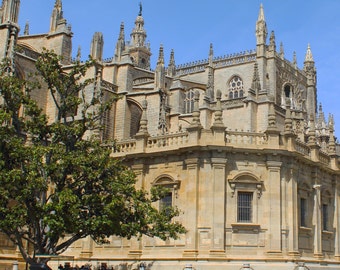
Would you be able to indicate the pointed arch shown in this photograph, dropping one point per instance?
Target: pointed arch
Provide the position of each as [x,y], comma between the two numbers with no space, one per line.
[133,116]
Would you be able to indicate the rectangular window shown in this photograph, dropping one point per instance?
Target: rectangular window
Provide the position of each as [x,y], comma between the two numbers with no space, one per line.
[166,201]
[244,206]
[325,217]
[303,212]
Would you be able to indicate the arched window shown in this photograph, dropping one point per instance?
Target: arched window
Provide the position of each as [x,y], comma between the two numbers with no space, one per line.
[189,101]
[235,88]
[171,187]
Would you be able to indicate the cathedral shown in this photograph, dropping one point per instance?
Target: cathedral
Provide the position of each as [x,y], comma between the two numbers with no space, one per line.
[239,141]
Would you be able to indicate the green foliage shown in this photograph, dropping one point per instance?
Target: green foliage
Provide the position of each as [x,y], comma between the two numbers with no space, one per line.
[57,187]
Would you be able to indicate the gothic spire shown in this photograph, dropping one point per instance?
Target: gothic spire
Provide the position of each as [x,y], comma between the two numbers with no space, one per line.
[160,70]
[261,28]
[120,45]
[210,83]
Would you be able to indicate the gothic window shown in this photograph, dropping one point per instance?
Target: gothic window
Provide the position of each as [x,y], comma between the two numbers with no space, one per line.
[288,96]
[235,88]
[189,102]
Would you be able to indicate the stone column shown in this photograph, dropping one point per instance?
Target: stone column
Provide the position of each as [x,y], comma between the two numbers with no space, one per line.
[218,225]
[274,212]
[191,190]
[317,222]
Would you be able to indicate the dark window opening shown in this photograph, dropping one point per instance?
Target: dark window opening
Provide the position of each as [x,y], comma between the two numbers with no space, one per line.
[244,206]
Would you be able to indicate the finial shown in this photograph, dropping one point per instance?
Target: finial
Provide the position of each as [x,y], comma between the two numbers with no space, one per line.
[261,14]
[78,54]
[140,9]
[58,4]
[272,38]
[161,55]
[294,60]
[211,50]
[282,51]
[27,29]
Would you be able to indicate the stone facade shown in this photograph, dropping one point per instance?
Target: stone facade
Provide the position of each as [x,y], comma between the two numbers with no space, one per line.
[239,140]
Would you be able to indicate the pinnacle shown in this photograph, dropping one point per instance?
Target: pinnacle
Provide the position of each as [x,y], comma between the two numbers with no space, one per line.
[309,56]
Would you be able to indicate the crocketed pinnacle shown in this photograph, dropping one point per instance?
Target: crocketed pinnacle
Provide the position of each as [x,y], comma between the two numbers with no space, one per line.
[309,55]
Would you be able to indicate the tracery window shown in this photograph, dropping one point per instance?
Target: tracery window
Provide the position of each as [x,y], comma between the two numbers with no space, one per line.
[235,88]
[189,101]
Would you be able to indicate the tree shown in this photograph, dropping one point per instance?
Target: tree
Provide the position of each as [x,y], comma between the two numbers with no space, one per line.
[57,187]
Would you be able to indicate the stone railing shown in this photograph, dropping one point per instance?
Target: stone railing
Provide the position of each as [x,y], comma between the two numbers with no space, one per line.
[324,157]
[246,138]
[235,139]
[302,148]
[170,140]
[126,146]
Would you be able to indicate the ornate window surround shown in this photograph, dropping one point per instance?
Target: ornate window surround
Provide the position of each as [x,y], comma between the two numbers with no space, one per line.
[250,183]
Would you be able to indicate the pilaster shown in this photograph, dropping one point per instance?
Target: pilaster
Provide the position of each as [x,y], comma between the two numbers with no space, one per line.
[292,220]
[317,222]
[337,218]
[218,229]
[191,190]
[274,212]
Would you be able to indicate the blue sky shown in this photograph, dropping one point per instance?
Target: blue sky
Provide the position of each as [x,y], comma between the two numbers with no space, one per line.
[189,26]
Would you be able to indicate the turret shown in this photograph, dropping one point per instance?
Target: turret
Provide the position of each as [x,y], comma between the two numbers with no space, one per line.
[310,70]
[261,33]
